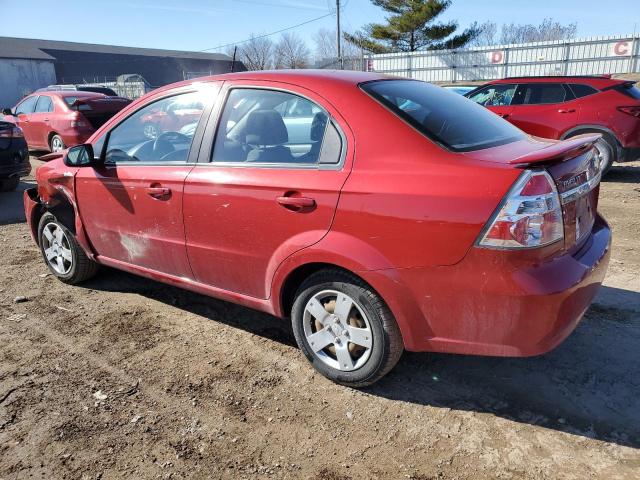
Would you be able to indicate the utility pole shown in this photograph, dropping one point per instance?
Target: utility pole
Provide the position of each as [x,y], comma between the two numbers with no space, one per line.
[338,36]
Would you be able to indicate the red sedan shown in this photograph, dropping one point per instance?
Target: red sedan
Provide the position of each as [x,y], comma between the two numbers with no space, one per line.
[54,120]
[378,213]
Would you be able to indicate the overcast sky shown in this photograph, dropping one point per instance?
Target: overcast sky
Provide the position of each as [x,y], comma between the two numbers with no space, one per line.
[200,24]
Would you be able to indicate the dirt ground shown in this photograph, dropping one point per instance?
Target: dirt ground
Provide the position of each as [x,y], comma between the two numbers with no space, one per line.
[127,378]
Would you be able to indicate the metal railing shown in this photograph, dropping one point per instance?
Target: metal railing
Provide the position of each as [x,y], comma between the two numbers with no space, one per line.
[587,56]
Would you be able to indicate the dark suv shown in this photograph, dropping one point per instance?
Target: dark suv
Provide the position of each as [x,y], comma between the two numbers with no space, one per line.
[562,107]
[14,157]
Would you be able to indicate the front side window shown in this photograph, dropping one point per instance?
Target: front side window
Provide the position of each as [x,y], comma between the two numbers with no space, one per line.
[275,127]
[541,93]
[26,106]
[44,104]
[159,132]
[447,118]
[498,95]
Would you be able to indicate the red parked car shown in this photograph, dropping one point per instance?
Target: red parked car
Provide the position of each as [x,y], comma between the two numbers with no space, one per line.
[378,213]
[563,107]
[54,120]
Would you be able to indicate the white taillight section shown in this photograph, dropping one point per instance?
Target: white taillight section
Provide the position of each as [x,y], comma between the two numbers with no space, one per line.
[530,215]
[78,123]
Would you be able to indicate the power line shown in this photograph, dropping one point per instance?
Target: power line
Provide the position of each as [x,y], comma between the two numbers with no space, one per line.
[269,34]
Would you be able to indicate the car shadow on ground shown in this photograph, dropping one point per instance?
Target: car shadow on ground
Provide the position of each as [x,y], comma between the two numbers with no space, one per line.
[588,386]
[621,173]
[11,206]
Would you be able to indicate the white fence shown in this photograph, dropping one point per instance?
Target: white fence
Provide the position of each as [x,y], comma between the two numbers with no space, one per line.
[588,56]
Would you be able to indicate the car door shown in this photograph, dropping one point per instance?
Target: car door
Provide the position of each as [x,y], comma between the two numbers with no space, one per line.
[22,114]
[544,109]
[131,206]
[497,97]
[253,199]
[39,120]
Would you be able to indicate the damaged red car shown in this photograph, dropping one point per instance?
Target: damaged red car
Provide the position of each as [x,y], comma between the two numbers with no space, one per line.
[378,214]
[54,120]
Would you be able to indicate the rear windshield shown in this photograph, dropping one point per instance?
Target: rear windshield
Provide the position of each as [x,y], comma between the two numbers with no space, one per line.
[69,100]
[449,119]
[630,89]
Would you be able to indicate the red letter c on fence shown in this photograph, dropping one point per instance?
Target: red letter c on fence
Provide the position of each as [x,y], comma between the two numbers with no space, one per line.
[621,48]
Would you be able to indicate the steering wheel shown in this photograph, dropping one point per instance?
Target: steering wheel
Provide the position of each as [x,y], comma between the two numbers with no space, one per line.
[164,143]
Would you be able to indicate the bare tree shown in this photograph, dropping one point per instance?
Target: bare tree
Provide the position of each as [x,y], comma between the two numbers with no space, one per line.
[255,54]
[326,49]
[291,52]
[548,30]
[487,35]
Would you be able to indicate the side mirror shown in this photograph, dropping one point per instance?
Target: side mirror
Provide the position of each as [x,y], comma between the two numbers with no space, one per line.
[7,111]
[80,156]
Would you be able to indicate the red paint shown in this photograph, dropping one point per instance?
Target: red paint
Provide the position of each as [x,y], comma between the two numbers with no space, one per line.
[73,126]
[621,48]
[401,212]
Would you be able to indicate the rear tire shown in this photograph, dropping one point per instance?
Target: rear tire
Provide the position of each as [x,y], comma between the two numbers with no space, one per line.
[56,143]
[9,184]
[354,345]
[62,253]
[606,153]
[606,149]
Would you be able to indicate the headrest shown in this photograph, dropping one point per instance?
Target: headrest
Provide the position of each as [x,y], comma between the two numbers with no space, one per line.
[265,127]
[318,126]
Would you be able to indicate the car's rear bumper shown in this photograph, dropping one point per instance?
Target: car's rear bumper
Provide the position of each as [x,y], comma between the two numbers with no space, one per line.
[485,306]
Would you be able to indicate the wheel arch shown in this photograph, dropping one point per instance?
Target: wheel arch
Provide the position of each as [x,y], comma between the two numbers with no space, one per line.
[591,129]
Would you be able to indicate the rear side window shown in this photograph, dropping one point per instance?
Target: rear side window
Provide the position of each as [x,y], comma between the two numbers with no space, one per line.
[445,117]
[540,93]
[44,104]
[580,90]
[260,126]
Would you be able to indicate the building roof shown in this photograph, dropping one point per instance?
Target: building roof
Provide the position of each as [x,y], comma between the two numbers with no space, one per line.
[33,49]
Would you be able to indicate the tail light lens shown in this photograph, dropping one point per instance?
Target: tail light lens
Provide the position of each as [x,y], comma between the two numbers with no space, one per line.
[14,132]
[530,215]
[633,111]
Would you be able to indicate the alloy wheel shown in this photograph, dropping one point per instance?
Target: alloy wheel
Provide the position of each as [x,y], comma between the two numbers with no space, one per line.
[337,330]
[56,144]
[57,248]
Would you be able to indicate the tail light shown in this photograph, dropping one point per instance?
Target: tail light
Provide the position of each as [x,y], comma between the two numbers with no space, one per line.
[78,121]
[633,111]
[14,132]
[530,215]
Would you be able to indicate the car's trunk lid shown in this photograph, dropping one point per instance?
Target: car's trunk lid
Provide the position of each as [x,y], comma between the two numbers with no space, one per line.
[573,166]
[98,110]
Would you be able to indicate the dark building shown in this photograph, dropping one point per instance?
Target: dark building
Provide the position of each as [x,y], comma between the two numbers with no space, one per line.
[27,64]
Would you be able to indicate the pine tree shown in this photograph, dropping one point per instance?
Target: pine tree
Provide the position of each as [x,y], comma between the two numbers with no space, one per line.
[411,26]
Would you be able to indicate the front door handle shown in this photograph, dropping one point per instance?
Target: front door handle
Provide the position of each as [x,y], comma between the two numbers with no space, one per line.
[296,203]
[562,110]
[157,191]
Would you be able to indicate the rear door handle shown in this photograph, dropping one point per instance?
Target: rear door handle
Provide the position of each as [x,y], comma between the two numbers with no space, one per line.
[158,192]
[503,115]
[296,203]
[562,110]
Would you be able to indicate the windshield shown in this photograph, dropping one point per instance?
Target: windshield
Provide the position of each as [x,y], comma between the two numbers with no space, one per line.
[447,118]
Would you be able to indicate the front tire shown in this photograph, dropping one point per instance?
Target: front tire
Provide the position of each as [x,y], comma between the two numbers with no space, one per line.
[345,329]
[62,253]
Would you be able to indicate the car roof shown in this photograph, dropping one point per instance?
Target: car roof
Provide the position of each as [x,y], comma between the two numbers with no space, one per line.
[72,93]
[312,79]
[597,81]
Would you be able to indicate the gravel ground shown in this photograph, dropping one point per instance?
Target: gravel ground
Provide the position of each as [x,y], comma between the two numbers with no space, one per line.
[127,378]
